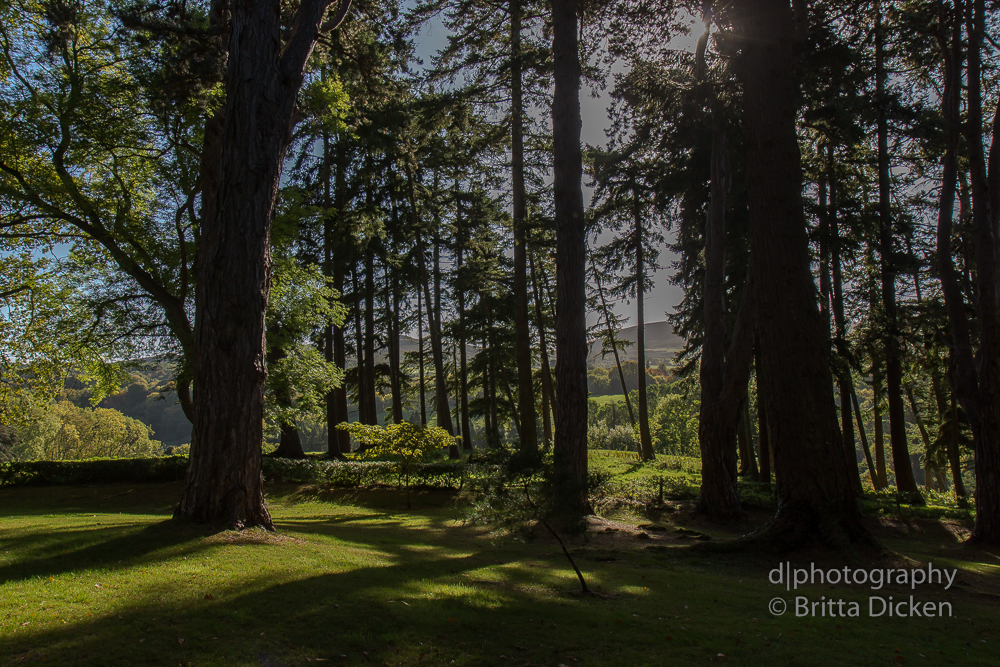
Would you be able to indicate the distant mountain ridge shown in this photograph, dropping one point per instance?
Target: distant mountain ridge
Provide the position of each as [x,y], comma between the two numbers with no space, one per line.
[661,345]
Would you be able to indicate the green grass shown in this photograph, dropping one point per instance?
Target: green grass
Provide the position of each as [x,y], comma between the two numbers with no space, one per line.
[101,576]
[610,398]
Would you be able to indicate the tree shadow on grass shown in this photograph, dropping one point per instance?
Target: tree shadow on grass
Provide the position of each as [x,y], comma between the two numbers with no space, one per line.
[424,606]
[76,549]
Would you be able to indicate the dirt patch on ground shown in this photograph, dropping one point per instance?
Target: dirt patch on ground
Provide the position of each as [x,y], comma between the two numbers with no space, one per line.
[252,536]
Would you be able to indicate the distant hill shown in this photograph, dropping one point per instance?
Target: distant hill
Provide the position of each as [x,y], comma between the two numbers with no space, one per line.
[661,345]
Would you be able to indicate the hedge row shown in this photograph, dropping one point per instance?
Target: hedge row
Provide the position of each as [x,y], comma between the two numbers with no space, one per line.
[355,474]
[93,471]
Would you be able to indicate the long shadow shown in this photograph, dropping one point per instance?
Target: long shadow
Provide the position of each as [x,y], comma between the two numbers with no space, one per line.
[105,548]
[343,618]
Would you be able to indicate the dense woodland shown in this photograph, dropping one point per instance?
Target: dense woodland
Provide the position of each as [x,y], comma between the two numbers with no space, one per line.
[290,222]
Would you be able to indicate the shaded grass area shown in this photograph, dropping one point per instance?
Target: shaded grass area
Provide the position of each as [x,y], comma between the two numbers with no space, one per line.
[631,479]
[100,576]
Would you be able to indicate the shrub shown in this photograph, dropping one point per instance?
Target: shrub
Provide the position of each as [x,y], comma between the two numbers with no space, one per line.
[620,438]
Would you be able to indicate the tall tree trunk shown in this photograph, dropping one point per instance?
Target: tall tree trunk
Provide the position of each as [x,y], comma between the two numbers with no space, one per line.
[928,467]
[872,470]
[978,386]
[645,439]
[442,409]
[614,345]
[335,349]
[527,431]
[371,410]
[359,350]
[717,418]
[392,322]
[748,462]
[224,484]
[570,453]
[463,371]
[764,442]
[548,395]
[420,357]
[289,443]
[880,467]
[948,412]
[845,384]
[906,486]
[493,432]
[815,497]
[955,459]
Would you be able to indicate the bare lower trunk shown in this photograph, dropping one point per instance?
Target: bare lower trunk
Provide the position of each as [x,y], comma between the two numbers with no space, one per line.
[420,357]
[371,409]
[872,471]
[570,464]
[463,370]
[290,444]
[906,486]
[815,497]
[645,439]
[525,387]
[717,428]
[548,395]
[880,468]
[844,381]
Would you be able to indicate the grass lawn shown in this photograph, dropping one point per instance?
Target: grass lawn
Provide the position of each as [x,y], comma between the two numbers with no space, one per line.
[610,398]
[100,576]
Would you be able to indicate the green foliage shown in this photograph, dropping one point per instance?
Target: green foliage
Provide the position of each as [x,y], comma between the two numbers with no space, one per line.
[404,442]
[299,377]
[64,431]
[328,103]
[601,436]
[675,426]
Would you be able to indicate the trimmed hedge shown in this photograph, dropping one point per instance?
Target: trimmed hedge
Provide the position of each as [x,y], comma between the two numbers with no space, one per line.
[353,474]
[93,471]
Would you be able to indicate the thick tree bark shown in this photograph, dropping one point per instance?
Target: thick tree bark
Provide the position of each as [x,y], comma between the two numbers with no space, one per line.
[717,422]
[224,484]
[570,452]
[906,486]
[527,432]
[815,497]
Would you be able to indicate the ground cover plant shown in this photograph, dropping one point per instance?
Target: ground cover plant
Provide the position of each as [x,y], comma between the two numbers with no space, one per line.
[99,575]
